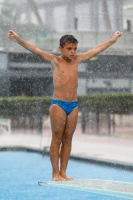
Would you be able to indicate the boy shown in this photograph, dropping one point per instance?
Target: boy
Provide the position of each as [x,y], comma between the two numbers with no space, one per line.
[64,106]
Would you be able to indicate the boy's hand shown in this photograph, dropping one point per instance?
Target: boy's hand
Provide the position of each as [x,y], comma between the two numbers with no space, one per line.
[13,36]
[117,35]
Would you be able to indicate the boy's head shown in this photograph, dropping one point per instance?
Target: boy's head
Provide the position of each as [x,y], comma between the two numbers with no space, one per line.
[68,39]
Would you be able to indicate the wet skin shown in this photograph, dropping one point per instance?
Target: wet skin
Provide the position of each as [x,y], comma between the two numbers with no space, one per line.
[65,81]
[65,74]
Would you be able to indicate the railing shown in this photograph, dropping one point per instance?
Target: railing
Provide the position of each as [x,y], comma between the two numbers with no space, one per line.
[5,125]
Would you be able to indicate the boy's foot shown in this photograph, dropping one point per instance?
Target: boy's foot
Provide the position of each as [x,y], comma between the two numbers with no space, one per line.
[57,177]
[66,177]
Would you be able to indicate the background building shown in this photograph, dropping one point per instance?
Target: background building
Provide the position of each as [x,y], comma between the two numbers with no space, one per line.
[43,22]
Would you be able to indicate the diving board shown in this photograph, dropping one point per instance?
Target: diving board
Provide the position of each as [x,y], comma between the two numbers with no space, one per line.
[107,187]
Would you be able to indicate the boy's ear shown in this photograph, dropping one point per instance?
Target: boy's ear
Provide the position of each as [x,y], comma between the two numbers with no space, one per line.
[61,48]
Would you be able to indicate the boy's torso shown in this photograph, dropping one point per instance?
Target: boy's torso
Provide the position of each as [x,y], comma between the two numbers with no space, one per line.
[65,79]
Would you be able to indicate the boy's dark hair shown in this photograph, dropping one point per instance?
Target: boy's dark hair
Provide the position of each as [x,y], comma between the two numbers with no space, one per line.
[67,38]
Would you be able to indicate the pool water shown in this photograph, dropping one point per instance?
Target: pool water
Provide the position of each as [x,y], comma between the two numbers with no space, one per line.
[20,173]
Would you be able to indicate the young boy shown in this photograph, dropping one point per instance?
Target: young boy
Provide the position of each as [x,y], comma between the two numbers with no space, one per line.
[64,106]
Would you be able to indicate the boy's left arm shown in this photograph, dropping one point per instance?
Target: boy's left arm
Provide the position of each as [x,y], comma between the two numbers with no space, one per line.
[99,48]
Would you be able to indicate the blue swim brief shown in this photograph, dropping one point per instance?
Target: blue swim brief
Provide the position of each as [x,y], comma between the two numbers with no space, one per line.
[68,107]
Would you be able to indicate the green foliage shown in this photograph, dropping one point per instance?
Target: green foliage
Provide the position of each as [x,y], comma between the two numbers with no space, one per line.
[26,106]
[113,103]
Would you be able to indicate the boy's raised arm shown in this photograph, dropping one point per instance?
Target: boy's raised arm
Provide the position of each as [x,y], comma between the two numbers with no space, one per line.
[13,36]
[99,48]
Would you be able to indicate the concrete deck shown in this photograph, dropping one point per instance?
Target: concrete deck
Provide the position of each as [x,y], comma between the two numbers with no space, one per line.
[105,149]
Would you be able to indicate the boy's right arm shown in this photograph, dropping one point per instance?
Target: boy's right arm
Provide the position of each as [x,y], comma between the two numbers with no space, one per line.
[13,36]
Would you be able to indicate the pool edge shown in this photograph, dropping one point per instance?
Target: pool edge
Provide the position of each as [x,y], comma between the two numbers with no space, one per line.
[45,151]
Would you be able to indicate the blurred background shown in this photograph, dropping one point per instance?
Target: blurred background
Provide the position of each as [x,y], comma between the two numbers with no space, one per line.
[43,22]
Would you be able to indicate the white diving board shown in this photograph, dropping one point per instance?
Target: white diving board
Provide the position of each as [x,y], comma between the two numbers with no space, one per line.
[106,187]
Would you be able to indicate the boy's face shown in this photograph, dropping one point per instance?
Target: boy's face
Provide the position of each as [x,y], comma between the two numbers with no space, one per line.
[69,50]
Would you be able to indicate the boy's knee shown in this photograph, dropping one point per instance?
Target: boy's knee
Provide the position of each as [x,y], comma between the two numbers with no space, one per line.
[58,140]
[67,140]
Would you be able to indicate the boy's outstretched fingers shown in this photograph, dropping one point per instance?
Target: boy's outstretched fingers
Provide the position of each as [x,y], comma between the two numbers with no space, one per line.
[9,32]
[12,35]
[119,33]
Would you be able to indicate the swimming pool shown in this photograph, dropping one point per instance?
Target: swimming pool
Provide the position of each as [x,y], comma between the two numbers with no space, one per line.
[21,171]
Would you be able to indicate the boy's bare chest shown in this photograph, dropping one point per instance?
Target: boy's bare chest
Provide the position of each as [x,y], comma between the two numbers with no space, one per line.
[67,71]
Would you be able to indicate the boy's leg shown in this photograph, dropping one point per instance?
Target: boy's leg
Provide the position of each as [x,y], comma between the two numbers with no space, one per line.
[58,121]
[71,123]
